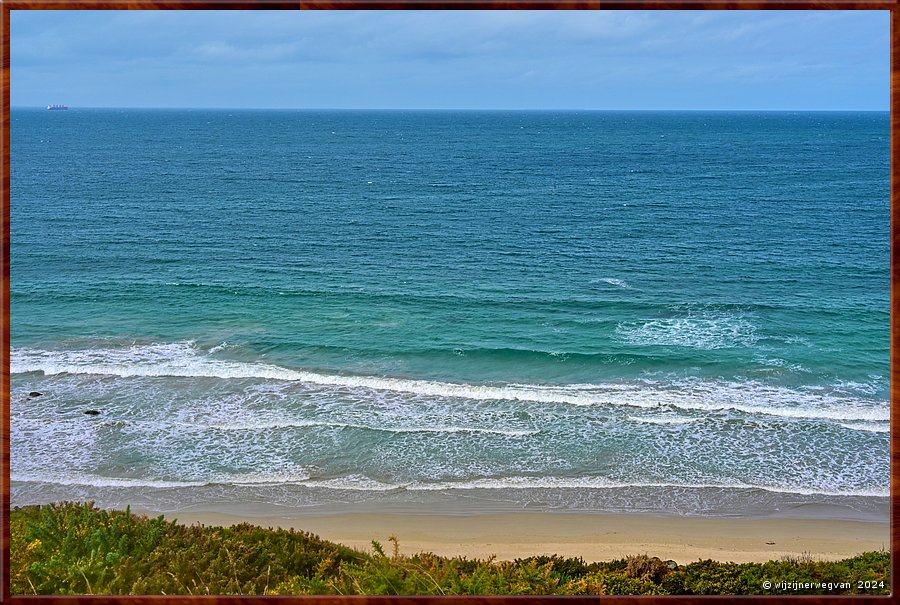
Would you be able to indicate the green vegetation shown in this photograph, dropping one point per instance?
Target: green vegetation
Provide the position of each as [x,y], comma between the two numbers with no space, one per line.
[73,548]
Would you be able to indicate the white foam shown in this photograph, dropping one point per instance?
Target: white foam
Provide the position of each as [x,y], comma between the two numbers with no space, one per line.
[457,429]
[363,483]
[264,425]
[675,421]
[866,388]
[353,482]
[271,478]
[612,281]
[602,483]
[775,362]
[96,481]
[869,427]
[707,332]
[222,347]
[184,360]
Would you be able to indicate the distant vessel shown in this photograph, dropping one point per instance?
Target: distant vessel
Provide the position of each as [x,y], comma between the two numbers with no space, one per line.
[56,107]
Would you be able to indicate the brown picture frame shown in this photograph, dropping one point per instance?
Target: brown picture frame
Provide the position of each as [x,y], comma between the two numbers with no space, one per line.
[8,5]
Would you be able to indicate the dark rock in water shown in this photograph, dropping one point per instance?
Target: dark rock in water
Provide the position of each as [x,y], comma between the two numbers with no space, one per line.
[92,412]
[34,394]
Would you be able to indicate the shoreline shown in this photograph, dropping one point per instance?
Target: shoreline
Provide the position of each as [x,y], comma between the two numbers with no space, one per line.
[592,536]
[289,500]
[684,525]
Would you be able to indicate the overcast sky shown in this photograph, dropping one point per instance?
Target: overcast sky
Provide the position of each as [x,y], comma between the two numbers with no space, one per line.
[454,59]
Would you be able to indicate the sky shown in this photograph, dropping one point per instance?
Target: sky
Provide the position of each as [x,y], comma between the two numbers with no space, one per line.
[719,60]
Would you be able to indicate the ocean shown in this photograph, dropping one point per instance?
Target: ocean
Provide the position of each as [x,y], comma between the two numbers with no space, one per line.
[676,312]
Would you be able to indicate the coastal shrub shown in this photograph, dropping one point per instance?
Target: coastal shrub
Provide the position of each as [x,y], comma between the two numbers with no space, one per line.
[533,578]
[709,577]
[705,578]
[77,549]
[618,584]
[568,568]
[643,567]
[870,566]
[588,584]
[615,565]
[428,574]
[72,548]
[871,569]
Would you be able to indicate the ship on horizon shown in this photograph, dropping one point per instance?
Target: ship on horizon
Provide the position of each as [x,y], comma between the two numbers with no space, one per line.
[57,107]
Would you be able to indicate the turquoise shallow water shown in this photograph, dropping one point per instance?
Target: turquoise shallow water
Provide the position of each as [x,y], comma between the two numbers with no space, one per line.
[385,302]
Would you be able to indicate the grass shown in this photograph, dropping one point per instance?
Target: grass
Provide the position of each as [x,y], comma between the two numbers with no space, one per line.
[76,548]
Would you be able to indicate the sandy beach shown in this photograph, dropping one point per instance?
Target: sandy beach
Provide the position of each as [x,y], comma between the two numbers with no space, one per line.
[595,537]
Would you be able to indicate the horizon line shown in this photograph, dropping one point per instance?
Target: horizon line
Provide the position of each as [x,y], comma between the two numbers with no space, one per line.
[619,109]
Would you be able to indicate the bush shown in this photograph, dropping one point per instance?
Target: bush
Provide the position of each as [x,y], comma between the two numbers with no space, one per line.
[568,568]
[705,578]
[646,568]
[71,548]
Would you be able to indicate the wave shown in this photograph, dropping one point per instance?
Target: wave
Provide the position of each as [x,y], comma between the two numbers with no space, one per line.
[482,299]
[94,481]
[868,427]
[253,426]
[708,332]
[363,483]
[601,483]
[612,281]
[675,421]
[183,359]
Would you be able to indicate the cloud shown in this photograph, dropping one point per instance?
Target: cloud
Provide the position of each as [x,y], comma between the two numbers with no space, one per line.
[262,52]
[455,58]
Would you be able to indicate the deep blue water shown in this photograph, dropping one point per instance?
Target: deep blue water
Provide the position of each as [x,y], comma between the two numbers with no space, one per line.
[433,300]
